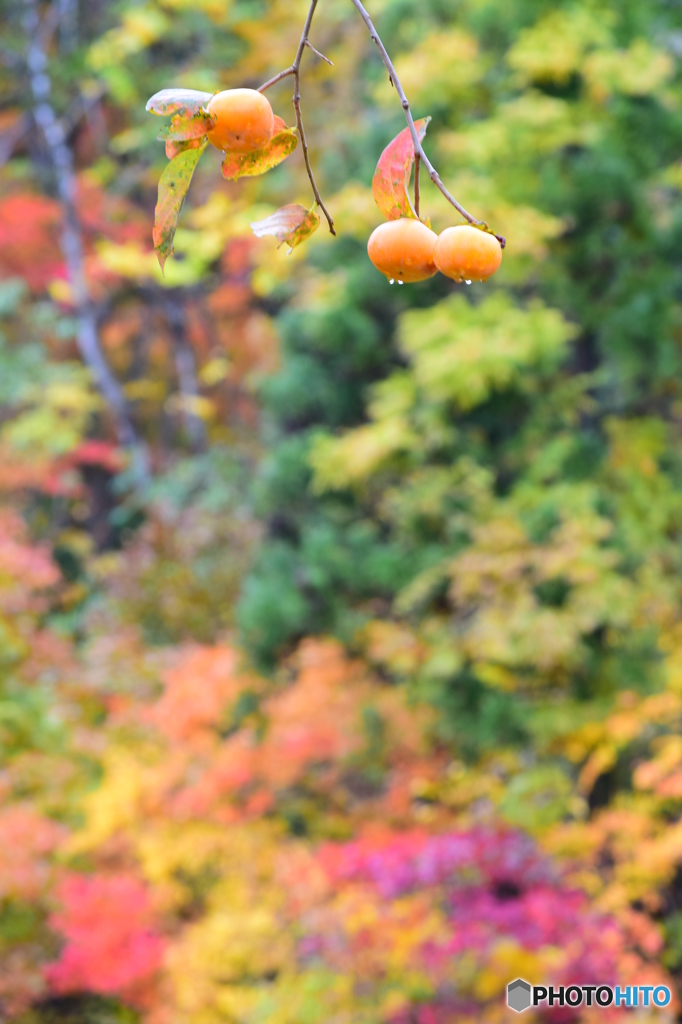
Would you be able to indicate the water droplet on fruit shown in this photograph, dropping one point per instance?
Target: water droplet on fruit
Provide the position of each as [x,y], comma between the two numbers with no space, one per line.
[467,282]
[401,282]
[392,281]
[289,251]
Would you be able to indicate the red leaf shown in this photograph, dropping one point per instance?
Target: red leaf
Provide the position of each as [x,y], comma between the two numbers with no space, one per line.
[291,224]
[175,101]
[392,176]
[248,165]
[173,187]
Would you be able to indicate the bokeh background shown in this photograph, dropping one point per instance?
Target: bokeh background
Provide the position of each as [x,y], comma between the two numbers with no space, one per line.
[341,635]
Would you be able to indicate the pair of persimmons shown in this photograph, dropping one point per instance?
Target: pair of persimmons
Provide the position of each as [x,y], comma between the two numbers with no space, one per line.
[404,250]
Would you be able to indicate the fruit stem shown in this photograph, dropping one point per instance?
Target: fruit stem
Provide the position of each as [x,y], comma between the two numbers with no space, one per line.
[419,153]
[295,70]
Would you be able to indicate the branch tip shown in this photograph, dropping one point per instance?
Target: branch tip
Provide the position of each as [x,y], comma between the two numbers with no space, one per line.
[318,54]
[418,148]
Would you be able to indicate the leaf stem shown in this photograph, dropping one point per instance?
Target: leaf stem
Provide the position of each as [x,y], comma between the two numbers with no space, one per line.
[417,193]
[295,70]
[419,153]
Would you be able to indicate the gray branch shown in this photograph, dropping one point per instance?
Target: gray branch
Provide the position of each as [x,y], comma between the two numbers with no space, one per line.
[186,370]
[71,239]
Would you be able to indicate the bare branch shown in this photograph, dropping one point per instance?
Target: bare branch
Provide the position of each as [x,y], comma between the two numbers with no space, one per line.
[68,24]
[295,70]
[418,148]
[276,79]
[186,370]
[318,54]
[71,238]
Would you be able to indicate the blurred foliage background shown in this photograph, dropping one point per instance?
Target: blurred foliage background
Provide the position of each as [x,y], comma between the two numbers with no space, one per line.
[341,649]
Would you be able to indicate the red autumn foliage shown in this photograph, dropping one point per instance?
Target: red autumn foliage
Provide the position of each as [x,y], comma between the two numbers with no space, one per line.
[29,239]
[112,945]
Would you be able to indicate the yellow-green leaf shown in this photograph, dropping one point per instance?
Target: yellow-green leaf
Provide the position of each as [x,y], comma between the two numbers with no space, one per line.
[249,165]
[173,187]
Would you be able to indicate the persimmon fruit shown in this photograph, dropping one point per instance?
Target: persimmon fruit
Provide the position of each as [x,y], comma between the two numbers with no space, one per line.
[243,120]
[465,253]
[403,250]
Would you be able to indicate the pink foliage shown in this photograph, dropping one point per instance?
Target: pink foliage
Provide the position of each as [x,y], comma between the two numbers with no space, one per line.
[29,564]
[26,840]
[494,885]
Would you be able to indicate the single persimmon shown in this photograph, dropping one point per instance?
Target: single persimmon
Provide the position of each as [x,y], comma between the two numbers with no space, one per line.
[243,120]
[403,250]
[468,254]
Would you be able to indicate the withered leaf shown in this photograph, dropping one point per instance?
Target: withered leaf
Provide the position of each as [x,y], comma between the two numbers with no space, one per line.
[291,224]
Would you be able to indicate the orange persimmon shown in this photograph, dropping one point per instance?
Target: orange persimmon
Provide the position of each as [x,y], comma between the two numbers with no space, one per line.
[243,120]
[403,250]
[465,253]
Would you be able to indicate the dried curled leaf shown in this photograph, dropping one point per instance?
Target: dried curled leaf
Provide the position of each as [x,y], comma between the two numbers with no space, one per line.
[392,176]
[249,165]
[173,148]
[186,126]
[291,224]
[176,101]
[173,187]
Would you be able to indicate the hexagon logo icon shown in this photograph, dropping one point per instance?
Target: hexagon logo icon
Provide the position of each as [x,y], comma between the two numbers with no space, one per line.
[518,995]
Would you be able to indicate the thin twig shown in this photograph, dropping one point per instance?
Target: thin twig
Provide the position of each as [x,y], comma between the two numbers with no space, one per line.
[417,195]
[318,54]
[276,79]
[418,148]
[295,70]
[87,335]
